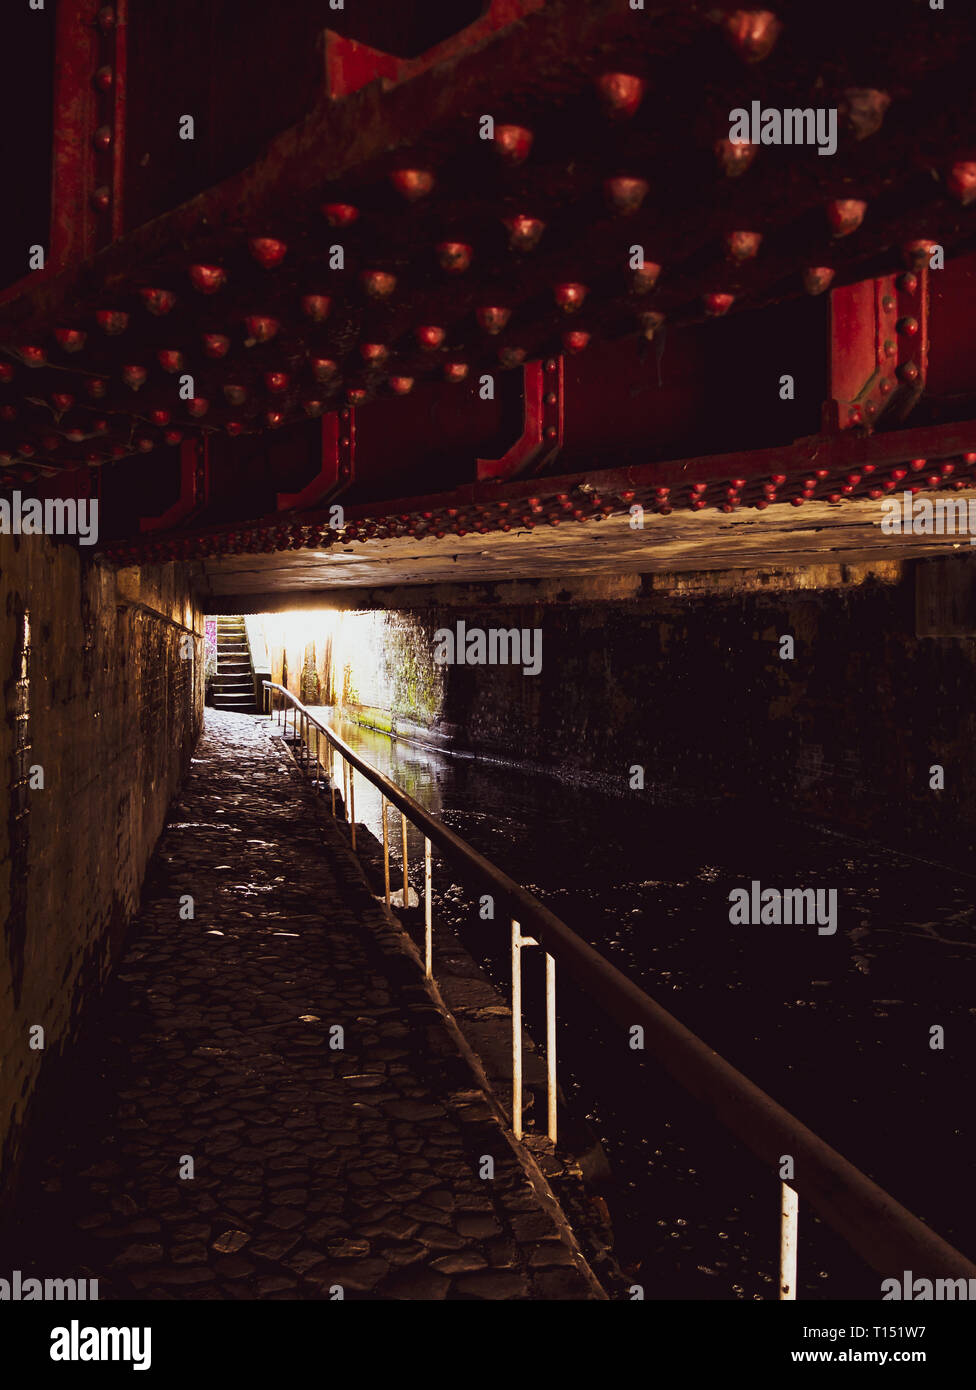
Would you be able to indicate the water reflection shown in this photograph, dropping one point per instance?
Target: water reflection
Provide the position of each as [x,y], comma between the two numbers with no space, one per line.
[834,1027]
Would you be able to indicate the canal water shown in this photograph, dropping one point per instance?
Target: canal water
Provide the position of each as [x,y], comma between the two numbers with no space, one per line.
[835,1027]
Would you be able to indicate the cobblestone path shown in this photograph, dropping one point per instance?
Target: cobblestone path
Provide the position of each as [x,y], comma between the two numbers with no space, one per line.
[312,1166]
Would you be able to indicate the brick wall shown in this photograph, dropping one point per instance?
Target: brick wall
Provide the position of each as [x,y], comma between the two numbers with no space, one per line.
[97,695]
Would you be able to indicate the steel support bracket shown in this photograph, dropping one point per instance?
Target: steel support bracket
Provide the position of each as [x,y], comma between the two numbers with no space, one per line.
[350,65]
[338,463]
[194,487]
[878,349]
[542,424]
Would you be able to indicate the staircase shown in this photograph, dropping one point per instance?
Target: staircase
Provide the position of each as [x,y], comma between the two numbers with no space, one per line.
[233,685]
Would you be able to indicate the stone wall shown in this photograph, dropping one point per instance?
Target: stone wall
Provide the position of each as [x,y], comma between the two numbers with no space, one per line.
[101,706]
[685,679]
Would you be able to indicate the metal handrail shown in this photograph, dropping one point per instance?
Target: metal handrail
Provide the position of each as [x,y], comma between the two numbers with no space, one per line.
[886,1235]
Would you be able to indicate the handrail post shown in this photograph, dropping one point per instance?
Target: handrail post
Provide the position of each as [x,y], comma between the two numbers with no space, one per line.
[516,1030]
[428,920]
[386,852]
[551,1044]
[406,881]
[332,778]
[352,806]
[789,1214]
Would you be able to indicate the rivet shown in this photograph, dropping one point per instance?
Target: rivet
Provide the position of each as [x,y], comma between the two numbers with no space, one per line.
[316,307]
[845,215]
[866,107]
[208,279]
[260,329]
[735,156]
[524,232]
[512,143]
[621,92]
[642,281]
[324,368]
[276,382]
[961,181]
[374,354]
[134,376]
[569,296]
[626,193]
[718,304]
[267,251]
[170,359]
[102,139]
[412,184]
[576,341]
[817,278]
[430,336]
[453,256]
[493,318]
[112,321]
[340,214]
[216,344]
[378,284]
[743,246]
[70,339]
[752,33]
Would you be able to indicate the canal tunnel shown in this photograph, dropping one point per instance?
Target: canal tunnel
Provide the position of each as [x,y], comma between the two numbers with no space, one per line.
[487,637]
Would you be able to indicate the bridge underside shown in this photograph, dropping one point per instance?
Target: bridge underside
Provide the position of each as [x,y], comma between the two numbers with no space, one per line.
[639,333]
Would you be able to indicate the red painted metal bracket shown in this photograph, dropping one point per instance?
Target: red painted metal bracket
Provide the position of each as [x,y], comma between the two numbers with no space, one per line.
[542,429]
[194,487]
[350,65]
[878,348]
[338,463]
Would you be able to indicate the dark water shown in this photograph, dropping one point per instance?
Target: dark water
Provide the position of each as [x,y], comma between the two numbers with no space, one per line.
[836,1028]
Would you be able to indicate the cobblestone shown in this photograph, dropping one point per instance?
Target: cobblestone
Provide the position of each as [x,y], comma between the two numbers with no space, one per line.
[312,1165]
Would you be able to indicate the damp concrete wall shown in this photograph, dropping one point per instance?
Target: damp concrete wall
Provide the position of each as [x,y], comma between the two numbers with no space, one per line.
[103,677]
[687,678]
